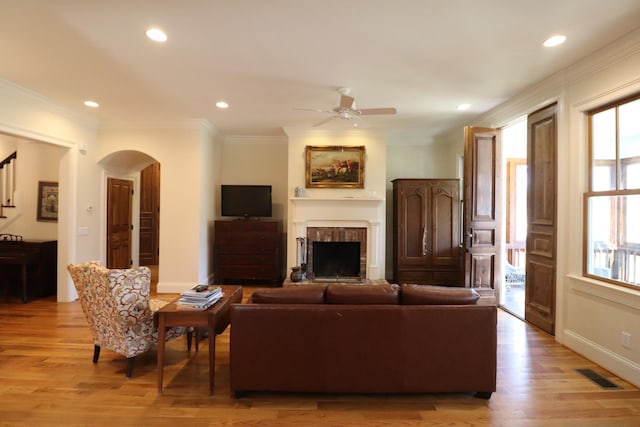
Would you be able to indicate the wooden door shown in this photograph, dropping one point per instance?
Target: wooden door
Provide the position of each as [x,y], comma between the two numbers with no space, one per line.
[119,198]
[482,205]
[541,216]
[149,214]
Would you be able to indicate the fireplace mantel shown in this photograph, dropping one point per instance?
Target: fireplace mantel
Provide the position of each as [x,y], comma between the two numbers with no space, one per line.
[367,212]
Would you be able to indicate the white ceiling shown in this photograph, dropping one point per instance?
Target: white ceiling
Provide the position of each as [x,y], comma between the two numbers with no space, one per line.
[267,58]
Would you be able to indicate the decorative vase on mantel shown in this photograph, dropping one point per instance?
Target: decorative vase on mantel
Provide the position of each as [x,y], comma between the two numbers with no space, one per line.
[296,274]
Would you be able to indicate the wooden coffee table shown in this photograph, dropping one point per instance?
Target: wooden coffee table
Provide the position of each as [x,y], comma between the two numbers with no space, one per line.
[215,318]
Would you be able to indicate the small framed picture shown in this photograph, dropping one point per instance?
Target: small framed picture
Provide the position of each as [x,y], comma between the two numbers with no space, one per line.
[47,201]
[334,167]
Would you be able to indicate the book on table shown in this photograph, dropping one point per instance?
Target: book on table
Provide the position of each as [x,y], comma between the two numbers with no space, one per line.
[199,297]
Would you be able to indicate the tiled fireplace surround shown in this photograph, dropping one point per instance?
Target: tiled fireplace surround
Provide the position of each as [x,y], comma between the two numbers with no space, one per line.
[351,219]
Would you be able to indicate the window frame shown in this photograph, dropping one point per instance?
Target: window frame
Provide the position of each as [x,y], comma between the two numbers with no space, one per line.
[619,166]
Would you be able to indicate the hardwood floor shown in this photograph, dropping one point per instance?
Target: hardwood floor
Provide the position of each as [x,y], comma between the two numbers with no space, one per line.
[47,378]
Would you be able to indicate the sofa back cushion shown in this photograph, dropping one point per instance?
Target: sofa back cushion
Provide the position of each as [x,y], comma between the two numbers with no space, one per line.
[362,294]
[295,294]
[438,295]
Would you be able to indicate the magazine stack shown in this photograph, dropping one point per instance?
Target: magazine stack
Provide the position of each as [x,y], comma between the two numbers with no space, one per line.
[199,297]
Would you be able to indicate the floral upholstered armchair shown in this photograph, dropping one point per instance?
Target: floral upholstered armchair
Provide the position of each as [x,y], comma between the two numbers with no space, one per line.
[117,306]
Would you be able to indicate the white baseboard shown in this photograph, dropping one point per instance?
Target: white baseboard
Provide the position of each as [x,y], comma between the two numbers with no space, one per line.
[617,364]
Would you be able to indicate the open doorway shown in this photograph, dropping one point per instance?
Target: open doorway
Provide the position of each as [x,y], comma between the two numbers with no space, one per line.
[513,293]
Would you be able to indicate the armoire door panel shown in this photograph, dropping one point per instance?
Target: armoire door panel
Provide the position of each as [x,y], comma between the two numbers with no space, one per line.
[445,240]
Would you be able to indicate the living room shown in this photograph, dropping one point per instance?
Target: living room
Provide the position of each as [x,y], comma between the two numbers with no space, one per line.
[196,159]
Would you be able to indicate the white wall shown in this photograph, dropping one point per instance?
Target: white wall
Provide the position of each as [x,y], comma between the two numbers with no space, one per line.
[25,114]
[180,148]
[590,315]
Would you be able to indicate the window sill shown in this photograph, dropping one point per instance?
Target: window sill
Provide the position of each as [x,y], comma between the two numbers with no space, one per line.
[604,290]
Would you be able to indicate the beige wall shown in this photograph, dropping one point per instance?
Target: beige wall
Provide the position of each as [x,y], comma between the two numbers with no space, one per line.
[185,204]
[257,160]
[25,114]
[36,161]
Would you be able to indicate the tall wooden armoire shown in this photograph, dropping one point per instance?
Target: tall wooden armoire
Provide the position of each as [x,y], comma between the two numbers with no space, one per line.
[426,232]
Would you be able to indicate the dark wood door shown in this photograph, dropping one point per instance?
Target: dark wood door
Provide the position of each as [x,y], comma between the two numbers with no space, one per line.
[149,214]
[119,198]
[541,217]
[481,209]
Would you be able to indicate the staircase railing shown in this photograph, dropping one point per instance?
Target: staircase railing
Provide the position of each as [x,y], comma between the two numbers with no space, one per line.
[7,182]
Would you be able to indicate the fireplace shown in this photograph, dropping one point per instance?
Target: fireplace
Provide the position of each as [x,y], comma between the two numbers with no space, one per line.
[338,220]
[336,253]
[336,261]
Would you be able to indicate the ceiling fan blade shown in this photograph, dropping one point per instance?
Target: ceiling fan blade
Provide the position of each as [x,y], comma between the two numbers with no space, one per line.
[374,111]
[314,110]
[324,121]
[346,102]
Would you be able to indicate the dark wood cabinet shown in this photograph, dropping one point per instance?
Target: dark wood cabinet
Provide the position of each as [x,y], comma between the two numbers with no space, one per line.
[29,268]
[426,232]
[248,250]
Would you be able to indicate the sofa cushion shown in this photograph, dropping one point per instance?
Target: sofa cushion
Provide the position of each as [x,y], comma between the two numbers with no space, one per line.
[295,294]
[362,294]
[438,295]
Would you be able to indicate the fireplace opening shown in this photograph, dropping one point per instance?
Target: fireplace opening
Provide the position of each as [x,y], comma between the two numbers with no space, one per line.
[336,261]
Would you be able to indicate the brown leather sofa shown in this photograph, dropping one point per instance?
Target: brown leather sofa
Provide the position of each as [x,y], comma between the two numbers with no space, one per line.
[363,339]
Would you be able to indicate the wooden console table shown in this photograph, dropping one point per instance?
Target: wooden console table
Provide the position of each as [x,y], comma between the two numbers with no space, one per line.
[37,259]
[216,319]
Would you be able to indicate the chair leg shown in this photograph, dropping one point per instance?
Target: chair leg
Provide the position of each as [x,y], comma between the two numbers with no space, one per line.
[96,353]
[130,366]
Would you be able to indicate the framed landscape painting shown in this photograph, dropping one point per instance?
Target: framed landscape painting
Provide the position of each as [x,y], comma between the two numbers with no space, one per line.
[47,201]
[335,167]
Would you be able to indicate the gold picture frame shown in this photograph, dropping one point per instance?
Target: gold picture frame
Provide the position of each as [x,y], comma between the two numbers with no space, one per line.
[47,201]
[334,166]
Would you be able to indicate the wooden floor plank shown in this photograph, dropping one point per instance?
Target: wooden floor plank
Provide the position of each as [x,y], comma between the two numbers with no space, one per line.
[47,378]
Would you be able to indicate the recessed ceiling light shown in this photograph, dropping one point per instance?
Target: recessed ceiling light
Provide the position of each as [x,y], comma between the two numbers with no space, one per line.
[222,104]
[554,41]
[92,104]
[157,35]
[463,107]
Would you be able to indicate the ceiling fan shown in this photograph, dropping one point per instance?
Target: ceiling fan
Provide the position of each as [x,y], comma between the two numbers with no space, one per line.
[347,110]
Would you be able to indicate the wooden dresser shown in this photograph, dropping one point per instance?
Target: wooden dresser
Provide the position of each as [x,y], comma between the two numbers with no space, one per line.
[248,250]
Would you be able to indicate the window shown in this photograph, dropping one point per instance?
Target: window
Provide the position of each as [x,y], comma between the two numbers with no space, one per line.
[612,226]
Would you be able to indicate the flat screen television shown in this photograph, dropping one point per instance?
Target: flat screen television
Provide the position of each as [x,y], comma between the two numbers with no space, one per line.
[246,201]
